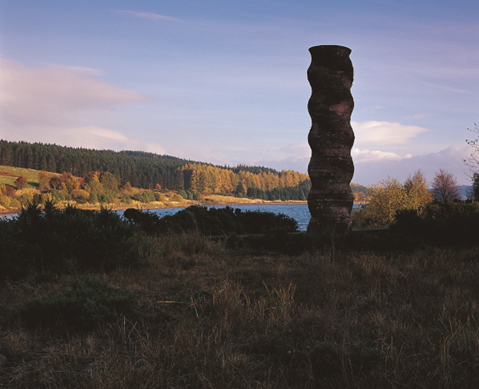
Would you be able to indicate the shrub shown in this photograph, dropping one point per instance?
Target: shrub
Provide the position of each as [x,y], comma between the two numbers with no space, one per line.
[21,182]
[144,220]
[144,197]
[93,198]
[60,195]
[197,196]
[159,196]
[87,303]
[178,198]
[8,190]
[126,199]
[442,223]
[5,201]
[41,198]
[24,199]
[14,203]
[104,198]
[388,197]
[80,194]
[219,221]
[61,240]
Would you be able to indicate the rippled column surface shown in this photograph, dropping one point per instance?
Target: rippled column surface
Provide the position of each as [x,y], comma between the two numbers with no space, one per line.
[331,138]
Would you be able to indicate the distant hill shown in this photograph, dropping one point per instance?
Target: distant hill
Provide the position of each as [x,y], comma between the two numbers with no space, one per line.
[465,191]
[149,170]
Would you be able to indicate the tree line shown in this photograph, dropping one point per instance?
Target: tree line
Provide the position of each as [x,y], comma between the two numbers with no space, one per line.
[139,169]
[257,183]
[148,170]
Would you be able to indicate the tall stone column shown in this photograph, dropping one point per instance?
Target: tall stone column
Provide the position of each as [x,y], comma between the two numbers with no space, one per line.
[331,137]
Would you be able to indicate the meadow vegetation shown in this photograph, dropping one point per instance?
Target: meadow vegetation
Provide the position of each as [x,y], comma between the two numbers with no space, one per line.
[184,309]
[20,187]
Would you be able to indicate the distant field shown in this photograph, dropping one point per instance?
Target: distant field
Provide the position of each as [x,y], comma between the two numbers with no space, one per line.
[9,174]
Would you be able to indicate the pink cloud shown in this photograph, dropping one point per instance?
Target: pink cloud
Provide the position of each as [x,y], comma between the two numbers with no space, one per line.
[54,95]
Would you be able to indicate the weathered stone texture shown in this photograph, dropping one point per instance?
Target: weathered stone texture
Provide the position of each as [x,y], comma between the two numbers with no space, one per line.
[331,138]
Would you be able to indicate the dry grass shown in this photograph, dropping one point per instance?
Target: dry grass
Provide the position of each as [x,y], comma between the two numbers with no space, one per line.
[220,319]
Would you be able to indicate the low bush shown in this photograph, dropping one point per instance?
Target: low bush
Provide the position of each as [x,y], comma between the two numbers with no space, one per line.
[67,240]
[159,196]
[144,197]
[442,224]
[226,221]
[212,221]
[5,201]
[178,198]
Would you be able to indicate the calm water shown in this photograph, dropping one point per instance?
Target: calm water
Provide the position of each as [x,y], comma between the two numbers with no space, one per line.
[299,212]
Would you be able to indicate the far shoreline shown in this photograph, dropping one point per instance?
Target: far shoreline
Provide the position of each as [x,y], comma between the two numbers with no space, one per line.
[212,200]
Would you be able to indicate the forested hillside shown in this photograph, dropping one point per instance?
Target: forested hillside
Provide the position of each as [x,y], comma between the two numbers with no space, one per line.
[148,170]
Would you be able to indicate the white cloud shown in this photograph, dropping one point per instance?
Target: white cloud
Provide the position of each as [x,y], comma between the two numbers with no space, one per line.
[149,15]
[376,134]
[53,104]
[451,159]
[105,133]
[365,155]
[55,95]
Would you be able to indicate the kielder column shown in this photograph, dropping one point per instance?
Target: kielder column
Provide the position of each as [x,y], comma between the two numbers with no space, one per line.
[331,138]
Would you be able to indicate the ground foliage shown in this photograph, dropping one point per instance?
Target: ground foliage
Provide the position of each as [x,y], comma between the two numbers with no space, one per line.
[86,303]
[69,240]
[388,197]
[216,318]
[365,311]
[442,223]
[212,221]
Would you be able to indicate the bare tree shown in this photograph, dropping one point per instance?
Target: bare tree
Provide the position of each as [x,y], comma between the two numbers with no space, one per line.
[444,186]
[475,186]
[473,161]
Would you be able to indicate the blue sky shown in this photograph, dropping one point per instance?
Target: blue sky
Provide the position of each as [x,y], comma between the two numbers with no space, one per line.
[224,81]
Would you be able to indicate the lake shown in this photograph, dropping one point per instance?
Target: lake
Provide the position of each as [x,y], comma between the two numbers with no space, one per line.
[299,212]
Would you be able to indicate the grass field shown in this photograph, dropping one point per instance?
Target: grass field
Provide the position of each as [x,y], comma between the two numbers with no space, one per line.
[216,317]
[9,174]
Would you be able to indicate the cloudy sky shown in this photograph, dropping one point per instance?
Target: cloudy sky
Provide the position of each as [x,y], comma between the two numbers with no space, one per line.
[224,81]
